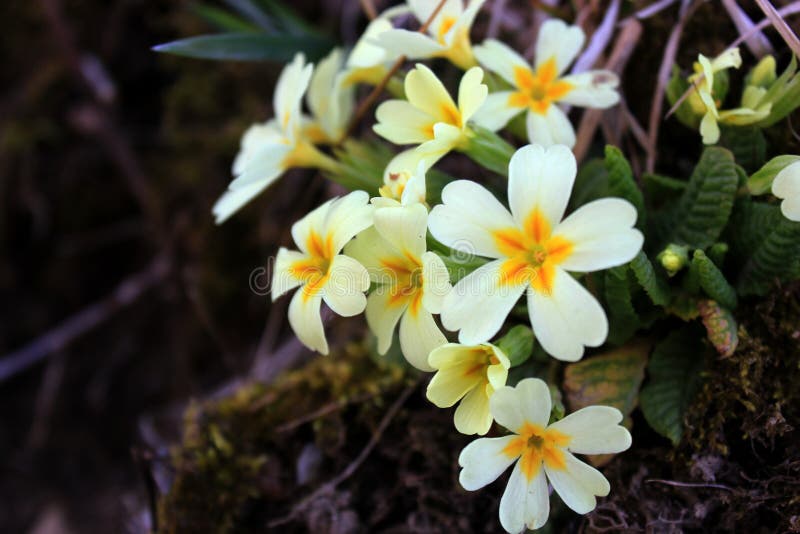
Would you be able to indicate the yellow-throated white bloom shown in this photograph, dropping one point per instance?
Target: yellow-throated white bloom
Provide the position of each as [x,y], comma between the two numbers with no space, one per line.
[411,283]
[534,249]
[542,452]
[448,33]
[401,186]
[430,117]
[270,149]
[369,62]
[330,100]
[470,374]
[321,272]
[703,100]
[787,187]
[539,89]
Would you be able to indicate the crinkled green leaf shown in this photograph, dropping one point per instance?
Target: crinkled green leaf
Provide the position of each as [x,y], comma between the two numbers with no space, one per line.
[591,183]
[747,143]
[244,46]
[517,344]
[706,204]
[621,182]
[674,378]
[713,281]
[654,284]
[623,319]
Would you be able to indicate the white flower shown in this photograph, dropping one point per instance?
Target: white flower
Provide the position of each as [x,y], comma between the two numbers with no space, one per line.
[542,452]
[469,374]
[534,249]
[319,268]
[787,187]
[448,33]
[402,187]
[430,116]
[411,283]
[540,88]
[270,149]
[330,100]
[368,62]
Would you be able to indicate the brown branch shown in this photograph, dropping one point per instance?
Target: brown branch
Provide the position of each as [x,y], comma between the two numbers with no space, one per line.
[369,8]
[780,25]
[82,322]
[355,464]
[367,103]
[686,484]
[323,411]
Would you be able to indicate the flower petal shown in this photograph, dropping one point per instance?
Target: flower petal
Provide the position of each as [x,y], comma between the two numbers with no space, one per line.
[595,430]
[264,164]
[528,402]
[426,92]
[567,319]
[403,124]
[495,112]
[540,180]
[552,128]
[383,314]
[577,484]
[366,53]
[282,279]
[413,45]
[453,379]
[289,91]
[405,228]
[344,292]
[525,503]
[787,181]
[369,248]
[467,219]
[231,201]
[254,138]
[436,282]
[592,89]
[559,41]
[483,460]
[348,216]
[790,208]
[472,415]
[306,321]
[419,335]
[471,93]
[602,235]
[313,222]
[479,304]
[423,9]
[501,59]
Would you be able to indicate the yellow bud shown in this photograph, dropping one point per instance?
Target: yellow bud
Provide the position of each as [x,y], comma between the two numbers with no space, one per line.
[763,74]
[674,258]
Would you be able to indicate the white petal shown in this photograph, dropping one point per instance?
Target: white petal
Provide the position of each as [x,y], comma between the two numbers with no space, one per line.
[524,503]
[568,319]
[282,278]
[559,41]
[426,92]
[423,9]
[595,430]
[577,484]
[413,45]
[468,218]
[540,179]
[344,291]
[479,304]
[409,160]
[790,208]
[370,249]
[468,16]
[528,402]
[366,53]
[496,111]
[289,91]
[709,128]
[231,201]
[602,235]
[403,124]
[482,461]
[306,321]
[787,181]
[254,138]
[313,222]
[383,315]
[415,190]
[319,90]
[348,216]
[419,335]
[453,378]
[264,165]
[436,282]
[472,415]
[471,93]
[405,228]
[592,89]
[552,128]
[501,59]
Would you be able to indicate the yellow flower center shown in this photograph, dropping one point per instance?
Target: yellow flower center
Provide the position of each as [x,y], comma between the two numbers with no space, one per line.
[404,277]
[532,253]
[536,445]
[537,90]
[314,270]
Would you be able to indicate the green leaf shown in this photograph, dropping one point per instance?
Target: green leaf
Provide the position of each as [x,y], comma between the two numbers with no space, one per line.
[489,150]
[747,143]
[361,165]
[713,281]
[459,264]
[517,344]
[654,285]
[246,47]
[720,326]
[254,13]
[590,184]
[675,377]
[761,181]
[770,244]
[621,182]
[288,19]
[222,19]
[623,319]
[784,95]
[706,204]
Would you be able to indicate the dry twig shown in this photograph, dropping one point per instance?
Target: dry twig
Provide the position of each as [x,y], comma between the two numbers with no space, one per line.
[780,25]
